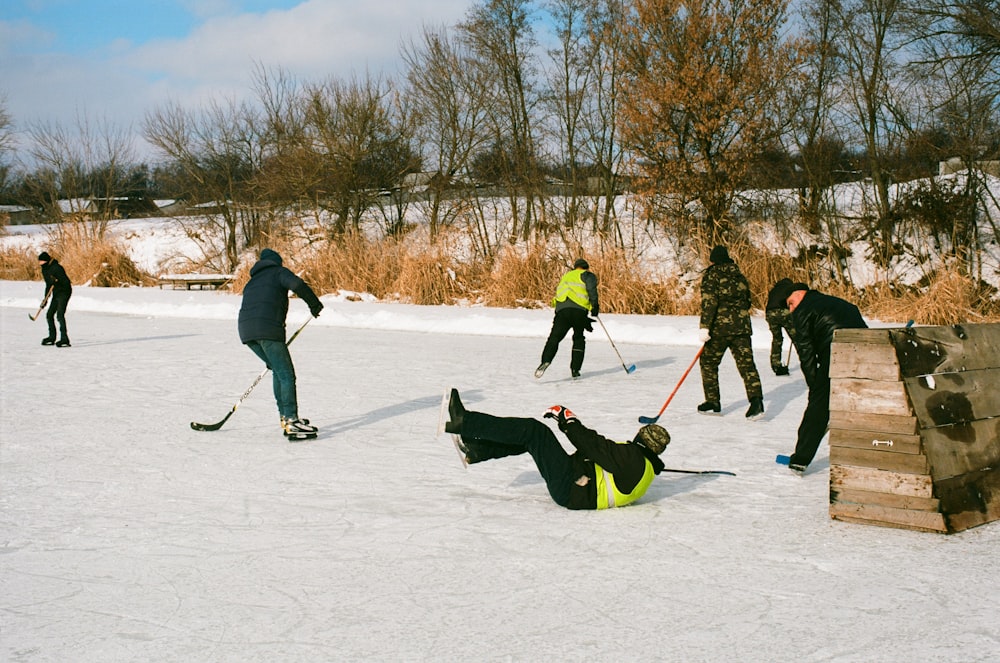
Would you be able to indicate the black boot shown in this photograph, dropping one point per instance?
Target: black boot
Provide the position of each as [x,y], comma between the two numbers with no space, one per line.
[456,411]
[63,343]
[756,409]
[49,340]
[710,407]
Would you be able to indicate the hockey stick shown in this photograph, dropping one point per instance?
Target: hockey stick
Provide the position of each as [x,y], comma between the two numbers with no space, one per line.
[630,367]
[195,425]
[45,300]
[652,420]
[726,472]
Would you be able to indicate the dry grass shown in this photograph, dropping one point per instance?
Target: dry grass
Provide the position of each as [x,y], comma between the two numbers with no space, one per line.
[99,261]
[19,265]
[948,298]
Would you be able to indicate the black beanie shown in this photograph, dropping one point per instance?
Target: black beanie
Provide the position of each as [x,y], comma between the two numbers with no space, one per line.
[719,255]
[581,264]
[44,257]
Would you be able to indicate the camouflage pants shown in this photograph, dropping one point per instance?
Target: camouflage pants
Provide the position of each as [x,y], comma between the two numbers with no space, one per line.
[778,319]
[711,357]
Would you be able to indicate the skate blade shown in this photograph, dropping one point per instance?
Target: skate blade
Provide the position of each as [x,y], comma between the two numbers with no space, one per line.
[443,412]
[457,441]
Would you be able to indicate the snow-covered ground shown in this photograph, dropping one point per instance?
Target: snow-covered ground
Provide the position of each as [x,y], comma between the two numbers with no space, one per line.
[128,536]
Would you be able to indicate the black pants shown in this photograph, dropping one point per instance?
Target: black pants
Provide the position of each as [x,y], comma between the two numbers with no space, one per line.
[815,420]
[487,437]
[564,320]
[57,311]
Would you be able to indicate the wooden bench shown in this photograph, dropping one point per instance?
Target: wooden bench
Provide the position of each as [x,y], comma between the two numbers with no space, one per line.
[188,281]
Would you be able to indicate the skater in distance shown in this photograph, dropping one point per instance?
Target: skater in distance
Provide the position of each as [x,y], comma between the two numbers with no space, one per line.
[576,299]
[725,325]
[779,318]
[58,289]
[262,329]
[601,474]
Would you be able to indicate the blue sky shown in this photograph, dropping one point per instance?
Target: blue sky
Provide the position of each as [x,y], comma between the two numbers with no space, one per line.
[115,60]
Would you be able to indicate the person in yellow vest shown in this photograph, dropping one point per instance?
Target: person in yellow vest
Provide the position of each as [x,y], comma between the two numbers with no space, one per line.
[601,474]
[575,301]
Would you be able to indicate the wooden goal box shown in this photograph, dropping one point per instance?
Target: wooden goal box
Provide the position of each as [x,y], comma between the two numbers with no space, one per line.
[915,426]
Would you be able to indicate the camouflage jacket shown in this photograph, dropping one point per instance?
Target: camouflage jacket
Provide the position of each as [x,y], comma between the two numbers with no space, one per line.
[725,301]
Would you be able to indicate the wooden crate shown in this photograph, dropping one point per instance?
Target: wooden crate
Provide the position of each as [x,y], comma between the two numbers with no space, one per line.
[915,426]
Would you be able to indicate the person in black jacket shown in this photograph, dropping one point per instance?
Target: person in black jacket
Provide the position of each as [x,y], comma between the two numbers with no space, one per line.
[601,474]
[262,329]
[816,316]
[59,289]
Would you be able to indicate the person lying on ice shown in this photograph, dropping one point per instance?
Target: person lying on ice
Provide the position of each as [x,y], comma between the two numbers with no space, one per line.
[601,473]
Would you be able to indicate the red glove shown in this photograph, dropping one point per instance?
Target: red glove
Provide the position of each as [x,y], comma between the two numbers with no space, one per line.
[561,414]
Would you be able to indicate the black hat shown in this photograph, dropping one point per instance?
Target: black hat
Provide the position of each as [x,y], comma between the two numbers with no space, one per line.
[653,437]
[719,255]
[44,257]
[270,254]
[779,293]
[581,264]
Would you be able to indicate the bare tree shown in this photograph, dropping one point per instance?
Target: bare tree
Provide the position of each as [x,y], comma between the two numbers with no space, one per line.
[86,164]
[871,43]
[360,139]
[220,150]
[500,34]
[6,141]
[449,109]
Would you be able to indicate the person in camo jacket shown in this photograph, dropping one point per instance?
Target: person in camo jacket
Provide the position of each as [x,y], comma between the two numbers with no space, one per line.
[779,317]
[725,325]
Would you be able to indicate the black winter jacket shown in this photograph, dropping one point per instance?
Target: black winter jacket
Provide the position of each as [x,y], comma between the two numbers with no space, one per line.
[265,299]
[625,461]
[55,278]
[816,318]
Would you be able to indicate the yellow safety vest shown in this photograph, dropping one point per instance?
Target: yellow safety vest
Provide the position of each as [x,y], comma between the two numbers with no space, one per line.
[571,286]
[608,495]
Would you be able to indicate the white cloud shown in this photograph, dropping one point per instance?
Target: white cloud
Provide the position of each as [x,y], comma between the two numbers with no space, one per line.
[312,41]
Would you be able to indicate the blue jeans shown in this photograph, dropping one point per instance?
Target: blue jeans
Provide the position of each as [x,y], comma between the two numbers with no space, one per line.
[276,357]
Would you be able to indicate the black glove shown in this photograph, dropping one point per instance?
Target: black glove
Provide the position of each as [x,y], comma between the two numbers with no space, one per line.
[595,310]
[562,416]
[316,308]
[590,325]
[780,370]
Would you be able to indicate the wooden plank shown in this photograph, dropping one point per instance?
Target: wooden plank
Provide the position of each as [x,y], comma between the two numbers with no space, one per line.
[962,448]
[885,499]
[947,349]
[876,423]
[971,500]
[948,398]
[843,477]
[864,360]
[863,335]
[860,439]
[880,460]
[872,396]
[880,515]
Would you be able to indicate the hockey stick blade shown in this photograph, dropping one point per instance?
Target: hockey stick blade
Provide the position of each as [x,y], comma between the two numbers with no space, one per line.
[725,472]
[630,368]
[649,420]
[195,425]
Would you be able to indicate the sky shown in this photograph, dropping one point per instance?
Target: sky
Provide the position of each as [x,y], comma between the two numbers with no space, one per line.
[113,60]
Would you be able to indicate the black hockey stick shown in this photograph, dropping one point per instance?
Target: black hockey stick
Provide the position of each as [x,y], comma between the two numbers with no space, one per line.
[727,473]
[195,425]
[45,301]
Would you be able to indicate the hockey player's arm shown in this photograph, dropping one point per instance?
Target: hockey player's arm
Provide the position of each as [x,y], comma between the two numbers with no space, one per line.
[625,461]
